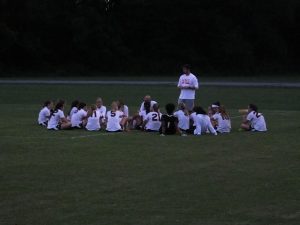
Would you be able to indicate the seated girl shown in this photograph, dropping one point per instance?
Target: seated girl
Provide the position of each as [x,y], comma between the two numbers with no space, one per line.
[114,118]
[152,121]
[203,122]
[137,120]
[169,122]
[93,119]
[73,109]
[183,118]
[254,121]
[78,119]
[223,123]
[57,119]
[44,114]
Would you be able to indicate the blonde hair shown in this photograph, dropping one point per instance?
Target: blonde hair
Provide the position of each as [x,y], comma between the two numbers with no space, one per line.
[91,110]
[223,113]
[114,106]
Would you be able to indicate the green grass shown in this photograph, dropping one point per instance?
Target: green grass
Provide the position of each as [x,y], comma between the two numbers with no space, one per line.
[69,177]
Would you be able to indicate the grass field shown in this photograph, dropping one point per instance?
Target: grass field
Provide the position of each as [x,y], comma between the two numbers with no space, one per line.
[81,178]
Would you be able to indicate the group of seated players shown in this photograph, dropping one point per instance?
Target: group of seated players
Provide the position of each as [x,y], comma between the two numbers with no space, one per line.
[148,118]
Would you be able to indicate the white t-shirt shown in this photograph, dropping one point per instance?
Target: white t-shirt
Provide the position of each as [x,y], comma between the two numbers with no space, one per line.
[203,124]
[193,116]
[102,110]
[188,81]
[78,117]
[143,114]
[142,108]
[125,110]
[73,110]
[55,119]
[113,120]
[224,126]
[257,121]
[183,120]
[153,121]
[93,122]
[44,115]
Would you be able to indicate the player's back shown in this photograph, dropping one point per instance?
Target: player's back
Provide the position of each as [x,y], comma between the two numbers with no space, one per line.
[169,123]
[154,121]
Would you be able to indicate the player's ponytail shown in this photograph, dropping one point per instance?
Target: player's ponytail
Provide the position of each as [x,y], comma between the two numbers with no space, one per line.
[223,113]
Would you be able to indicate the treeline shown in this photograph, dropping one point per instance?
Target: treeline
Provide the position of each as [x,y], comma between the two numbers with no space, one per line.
[150,36]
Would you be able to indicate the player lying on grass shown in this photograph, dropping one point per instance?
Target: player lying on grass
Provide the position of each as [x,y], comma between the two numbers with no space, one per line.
[44,114]
[57,119]
[152,122]
[253,121]
[203,122]
[169,122]
[78,119]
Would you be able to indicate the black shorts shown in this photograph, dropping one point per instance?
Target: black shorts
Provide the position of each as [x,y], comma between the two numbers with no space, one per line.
[148,130]
[117,131]
[45,124]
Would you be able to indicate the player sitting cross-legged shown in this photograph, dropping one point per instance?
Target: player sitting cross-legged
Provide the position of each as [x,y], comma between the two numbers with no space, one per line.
[93,119]
[254,121]
[169,122]
[114,118]
[152,121]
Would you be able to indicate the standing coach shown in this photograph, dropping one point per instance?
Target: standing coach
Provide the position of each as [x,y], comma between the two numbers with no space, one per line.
[188,83]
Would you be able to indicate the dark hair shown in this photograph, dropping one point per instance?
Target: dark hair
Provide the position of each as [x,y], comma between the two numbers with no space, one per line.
[217,103]
[147,106]
[187,66]
[81,105]
[75,103]
[253,107]
[46,103]
[199,110]
[170,108]
[58,106]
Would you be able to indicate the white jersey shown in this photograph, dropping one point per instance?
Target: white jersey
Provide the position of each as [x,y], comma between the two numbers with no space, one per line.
[125,110]
[153,121]
[143,114]
[224,125]
[93,122]
[152,103]
[102,110]
[55,119]
[73,110]
[193,116]
[183,120]
[113,120]
[188,81]
[203,124]
[78,117]
[257,121]
[44,116]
